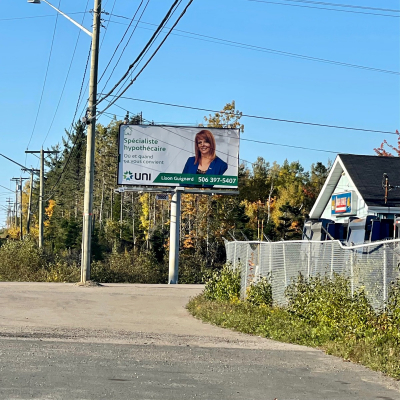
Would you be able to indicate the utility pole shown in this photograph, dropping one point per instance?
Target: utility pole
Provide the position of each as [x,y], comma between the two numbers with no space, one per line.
[20,205]
[16,202]
[28,217]
[9,214]
[19,187]
[41,189]
[90,147]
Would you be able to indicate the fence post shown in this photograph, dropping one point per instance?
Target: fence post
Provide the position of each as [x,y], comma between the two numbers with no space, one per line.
[270,260]
[384,274]
[309,260]
[352,271]
[234,257]
[246,270]
[284,263]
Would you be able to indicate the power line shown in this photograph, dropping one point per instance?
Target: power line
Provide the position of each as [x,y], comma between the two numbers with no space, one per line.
[341,5]
[142,56]
[123,36]
[261,117]
[155,35]
[148,44]
[45,78]
[148,61]
[247,140]
[108,23]
[66,78]
[247,46]
[72,123]
[324,8]
[38,16]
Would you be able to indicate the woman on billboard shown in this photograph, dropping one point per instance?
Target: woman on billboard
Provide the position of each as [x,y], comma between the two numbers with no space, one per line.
[205,160]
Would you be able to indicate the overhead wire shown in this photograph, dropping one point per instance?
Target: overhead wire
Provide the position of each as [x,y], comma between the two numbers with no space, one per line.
[148,61]
[129,77]
[261,117]
[148,44]
[342,5]
[130,37]
[120,42]
[77,137]
[101,44]
[108,22]
[66,78]
[45,79]
[213,39]
[37,16]
[242,139]
[323,8]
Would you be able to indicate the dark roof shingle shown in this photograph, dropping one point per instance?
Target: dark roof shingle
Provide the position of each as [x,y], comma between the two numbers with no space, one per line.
[367,171]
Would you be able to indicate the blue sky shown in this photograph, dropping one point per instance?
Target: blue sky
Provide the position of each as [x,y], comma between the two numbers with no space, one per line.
[205,74]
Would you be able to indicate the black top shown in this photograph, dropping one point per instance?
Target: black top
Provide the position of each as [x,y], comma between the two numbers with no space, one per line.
[367,174]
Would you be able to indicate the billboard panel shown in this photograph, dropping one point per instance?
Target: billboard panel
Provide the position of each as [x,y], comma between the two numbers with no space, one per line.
[157,155]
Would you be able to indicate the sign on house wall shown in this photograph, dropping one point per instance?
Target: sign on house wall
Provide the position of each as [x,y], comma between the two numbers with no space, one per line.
[344,203]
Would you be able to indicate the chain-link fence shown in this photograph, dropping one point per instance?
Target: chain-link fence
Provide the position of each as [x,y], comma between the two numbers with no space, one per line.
[372,267]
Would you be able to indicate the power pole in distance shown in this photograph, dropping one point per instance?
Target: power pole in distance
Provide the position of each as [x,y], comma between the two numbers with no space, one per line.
[29,211]
[9,213]
[41,194]
[16,202]
[20,207]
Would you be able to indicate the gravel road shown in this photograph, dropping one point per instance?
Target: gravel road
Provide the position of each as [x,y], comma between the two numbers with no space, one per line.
[117,341]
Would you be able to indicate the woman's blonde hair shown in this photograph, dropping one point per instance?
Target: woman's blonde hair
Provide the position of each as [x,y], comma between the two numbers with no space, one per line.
[209,138]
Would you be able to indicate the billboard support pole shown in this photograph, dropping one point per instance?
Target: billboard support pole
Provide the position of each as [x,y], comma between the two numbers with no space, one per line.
[174,236]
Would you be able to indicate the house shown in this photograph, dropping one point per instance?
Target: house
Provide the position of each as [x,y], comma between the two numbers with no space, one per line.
[359,202]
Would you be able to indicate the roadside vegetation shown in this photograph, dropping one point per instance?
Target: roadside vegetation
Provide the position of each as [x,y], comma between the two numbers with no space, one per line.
[23,261]
[320,312]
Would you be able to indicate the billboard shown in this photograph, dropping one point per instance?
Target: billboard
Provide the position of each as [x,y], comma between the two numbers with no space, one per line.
[158,155]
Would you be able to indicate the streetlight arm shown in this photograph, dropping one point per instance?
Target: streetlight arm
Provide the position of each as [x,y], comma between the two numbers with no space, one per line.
[65,15]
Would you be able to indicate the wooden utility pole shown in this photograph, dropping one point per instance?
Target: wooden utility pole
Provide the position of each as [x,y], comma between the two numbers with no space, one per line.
[29,210]
[20,179]
[90,147]
[41,189]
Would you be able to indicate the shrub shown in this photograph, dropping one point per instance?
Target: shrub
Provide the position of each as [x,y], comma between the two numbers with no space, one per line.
[193,269]
[393,304]
[22,260]
[329,304]
[63,271]
[260,293]
[224,285]
[129,267]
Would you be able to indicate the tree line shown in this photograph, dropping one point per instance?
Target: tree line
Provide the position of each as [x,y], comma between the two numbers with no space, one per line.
[273,202]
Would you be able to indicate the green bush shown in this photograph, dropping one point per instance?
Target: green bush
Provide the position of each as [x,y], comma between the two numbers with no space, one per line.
[62,271]
[260,293]
[22,260]
[223,285]
[193,269]
[393,305]
[129,267]
[328,304]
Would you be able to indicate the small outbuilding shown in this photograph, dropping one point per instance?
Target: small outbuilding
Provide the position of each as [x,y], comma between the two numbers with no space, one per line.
[359,202]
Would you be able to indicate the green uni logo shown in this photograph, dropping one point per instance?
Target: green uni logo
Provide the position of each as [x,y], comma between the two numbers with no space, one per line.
[128,175]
